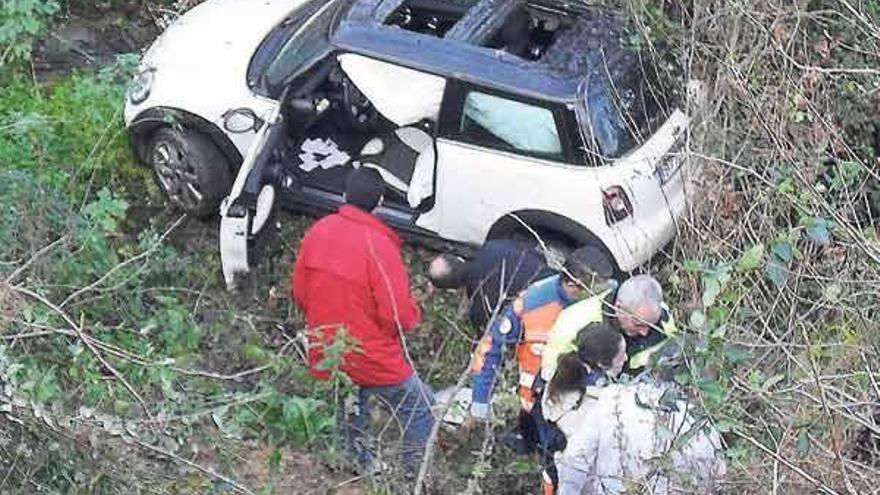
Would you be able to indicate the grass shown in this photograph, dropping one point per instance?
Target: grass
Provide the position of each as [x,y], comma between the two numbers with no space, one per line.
[773,276]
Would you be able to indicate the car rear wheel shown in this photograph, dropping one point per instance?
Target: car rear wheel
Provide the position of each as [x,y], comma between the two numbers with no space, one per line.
[192,172]
[556,246]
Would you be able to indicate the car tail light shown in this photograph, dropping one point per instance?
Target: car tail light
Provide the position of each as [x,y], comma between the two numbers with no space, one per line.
[616,203]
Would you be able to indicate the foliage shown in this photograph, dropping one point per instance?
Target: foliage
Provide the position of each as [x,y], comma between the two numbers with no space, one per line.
[69,136]
[772,274]
[21,22]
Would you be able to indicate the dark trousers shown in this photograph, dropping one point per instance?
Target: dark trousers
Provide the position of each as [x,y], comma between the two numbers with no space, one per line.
[410,402]
[550,441]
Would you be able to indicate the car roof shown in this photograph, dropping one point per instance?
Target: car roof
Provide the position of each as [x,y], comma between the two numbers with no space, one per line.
[587,45]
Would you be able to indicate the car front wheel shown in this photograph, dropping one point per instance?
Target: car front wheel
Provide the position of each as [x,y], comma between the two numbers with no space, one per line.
[192,172]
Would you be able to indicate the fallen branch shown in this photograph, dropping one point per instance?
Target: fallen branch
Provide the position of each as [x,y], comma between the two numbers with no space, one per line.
[125,263]
[777,458]
[18,271]
[83,338]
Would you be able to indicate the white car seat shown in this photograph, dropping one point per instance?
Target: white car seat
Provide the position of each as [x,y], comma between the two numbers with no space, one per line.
[405,160]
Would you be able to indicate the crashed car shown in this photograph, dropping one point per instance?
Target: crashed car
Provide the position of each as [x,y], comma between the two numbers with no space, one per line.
[487,119]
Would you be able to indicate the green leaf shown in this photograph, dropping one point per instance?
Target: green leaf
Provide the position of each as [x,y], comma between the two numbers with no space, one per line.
[818,230]
[783,251]
[773,380]
[735,354]
[832,292]
[697,319]
[692,266]
[803,441]
[713,282]
[711,289]
[752,259]
[712,390]
[777,272]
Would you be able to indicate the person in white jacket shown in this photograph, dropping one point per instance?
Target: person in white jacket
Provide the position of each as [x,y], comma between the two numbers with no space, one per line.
[639,435]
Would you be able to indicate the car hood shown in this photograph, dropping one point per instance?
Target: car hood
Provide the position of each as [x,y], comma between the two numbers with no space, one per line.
[211,45]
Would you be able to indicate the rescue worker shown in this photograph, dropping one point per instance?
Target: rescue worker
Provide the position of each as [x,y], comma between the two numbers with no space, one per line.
[641,434]
[526,323]
[637,310]
[499,271]
[599,357]
[644,319]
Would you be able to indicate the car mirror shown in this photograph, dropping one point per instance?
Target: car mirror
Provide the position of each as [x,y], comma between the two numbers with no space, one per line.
[241,120]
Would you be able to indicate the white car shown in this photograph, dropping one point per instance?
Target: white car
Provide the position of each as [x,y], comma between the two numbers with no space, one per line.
[487,119]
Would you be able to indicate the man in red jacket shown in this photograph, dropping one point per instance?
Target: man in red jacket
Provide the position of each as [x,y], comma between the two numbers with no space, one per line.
[349,277]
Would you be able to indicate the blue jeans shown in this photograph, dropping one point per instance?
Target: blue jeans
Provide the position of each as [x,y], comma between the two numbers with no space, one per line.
[410,403]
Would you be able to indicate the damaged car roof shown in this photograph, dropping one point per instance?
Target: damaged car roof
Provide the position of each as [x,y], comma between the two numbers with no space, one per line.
[595,42]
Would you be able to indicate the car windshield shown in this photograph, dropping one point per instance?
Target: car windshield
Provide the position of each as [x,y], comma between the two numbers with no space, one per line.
[622,112]
[308,39]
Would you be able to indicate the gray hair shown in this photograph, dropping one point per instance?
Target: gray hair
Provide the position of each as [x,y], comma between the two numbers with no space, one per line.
[639,291]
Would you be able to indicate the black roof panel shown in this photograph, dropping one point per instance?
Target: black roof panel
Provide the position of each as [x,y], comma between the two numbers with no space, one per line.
[480,65]
[596,43]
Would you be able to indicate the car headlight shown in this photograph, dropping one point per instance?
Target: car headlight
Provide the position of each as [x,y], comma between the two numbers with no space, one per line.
[140,86]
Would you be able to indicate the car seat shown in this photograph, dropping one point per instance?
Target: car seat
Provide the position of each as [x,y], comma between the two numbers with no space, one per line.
[405,160]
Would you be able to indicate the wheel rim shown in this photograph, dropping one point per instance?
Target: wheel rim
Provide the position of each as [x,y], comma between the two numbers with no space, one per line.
[176,174]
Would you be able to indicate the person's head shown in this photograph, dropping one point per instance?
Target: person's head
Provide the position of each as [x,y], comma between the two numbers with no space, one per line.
[599,348]
[587,270]
[638,307]
[447,271]
[364,188]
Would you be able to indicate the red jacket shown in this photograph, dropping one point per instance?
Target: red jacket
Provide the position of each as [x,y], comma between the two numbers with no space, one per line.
[349,273]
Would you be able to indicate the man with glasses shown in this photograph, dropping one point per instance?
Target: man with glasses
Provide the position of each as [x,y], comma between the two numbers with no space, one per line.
[636,308]
[643,318]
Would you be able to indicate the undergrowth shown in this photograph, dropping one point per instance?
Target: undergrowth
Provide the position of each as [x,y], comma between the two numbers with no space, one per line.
[117,340]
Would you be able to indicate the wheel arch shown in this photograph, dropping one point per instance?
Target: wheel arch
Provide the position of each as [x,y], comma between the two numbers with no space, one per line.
[543,221]
[145,124]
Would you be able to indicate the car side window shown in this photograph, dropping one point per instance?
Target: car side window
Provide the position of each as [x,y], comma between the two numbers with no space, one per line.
[509,124]
[497,120]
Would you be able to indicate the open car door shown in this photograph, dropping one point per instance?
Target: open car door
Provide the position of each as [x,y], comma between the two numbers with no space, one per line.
[246,212]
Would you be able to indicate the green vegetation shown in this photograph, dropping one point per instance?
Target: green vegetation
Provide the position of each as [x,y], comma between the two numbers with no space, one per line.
[121,355]
[21,22]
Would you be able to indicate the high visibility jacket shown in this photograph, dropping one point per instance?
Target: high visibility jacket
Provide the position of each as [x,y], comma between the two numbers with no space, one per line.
[525,323]
[563,335]
[640,349]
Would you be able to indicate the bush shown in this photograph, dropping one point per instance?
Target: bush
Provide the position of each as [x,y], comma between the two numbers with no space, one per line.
[21,22]
[70,135]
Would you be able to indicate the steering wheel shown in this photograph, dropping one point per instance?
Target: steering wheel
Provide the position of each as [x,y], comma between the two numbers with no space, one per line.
[361,113]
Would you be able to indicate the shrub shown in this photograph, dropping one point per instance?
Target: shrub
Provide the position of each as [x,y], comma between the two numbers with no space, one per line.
[21,22]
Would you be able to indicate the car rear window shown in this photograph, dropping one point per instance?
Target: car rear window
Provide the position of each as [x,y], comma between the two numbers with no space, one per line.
[625,107]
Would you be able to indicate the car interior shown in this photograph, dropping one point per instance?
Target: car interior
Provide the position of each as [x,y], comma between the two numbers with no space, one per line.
[348,111]
[529,31]
[427,17]
[332,127]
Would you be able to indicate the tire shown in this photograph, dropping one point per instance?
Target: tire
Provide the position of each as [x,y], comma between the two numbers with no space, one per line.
[558,246]
[192,172]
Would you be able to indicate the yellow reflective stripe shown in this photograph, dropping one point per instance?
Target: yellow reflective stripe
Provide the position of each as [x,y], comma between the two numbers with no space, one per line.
[668,327]
[641,359]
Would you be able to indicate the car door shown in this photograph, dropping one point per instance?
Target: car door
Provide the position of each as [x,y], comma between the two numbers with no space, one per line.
[246,212]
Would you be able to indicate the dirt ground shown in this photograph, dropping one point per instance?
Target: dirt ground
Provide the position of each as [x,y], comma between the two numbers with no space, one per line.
[93,39]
